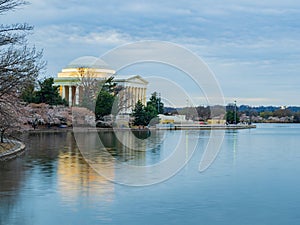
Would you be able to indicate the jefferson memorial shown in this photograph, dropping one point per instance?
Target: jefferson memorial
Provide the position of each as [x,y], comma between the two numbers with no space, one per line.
[92,68]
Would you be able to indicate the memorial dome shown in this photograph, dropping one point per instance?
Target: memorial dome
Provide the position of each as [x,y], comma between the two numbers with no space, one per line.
[88,62]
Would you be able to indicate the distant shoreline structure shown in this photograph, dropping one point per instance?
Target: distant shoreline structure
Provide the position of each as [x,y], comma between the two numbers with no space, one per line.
[206,127]
[176,127]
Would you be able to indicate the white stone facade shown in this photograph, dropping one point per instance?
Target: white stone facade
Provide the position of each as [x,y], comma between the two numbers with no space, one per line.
[71,86]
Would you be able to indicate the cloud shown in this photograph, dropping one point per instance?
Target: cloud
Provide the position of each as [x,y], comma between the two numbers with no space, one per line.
[110,37]
[250,43]
[62,44]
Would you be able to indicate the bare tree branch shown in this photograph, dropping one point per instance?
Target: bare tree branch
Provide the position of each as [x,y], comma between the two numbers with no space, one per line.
[8,5]
[14,34]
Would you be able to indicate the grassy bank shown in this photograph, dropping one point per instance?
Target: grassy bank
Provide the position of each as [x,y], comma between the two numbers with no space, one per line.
[6,146]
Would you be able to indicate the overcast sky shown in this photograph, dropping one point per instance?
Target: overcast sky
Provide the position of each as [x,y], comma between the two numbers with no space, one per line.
[253,47]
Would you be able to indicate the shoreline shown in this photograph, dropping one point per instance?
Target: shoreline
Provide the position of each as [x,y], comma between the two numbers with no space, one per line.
[175,127]
[213,127]
[14,152]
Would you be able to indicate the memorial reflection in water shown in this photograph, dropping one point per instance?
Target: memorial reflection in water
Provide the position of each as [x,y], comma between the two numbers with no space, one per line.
[76,178]
[138,157]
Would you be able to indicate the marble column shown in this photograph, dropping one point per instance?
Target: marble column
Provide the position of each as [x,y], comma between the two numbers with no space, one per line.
[141,95]
[70,96]
[127,97]
[144,96]
[132,96]
[77,95]
[136,95]
[63,93]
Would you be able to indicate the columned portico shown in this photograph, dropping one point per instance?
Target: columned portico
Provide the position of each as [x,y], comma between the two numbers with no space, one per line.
[73,93]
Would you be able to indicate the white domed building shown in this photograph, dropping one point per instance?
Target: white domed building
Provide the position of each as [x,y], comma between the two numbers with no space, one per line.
[71,86]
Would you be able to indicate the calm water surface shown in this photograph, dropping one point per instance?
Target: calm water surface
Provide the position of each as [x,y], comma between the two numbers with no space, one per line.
[254,180]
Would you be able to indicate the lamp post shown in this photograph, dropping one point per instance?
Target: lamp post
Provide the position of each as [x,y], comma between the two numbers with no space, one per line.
[234,111]
[158,102]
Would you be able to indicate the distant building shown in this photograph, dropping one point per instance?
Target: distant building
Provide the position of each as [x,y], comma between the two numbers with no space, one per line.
[216,121]
[283,107]
[173,119]
[71,86]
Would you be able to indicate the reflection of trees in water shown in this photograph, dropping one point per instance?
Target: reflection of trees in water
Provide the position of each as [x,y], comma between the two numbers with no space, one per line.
[12,177]
[141,134]
[131,146]
[44,148]
[113,144]
[109,151]
[131,139]
[157,138]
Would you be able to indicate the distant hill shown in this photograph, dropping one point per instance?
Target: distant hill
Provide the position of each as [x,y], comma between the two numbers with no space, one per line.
[246,108]
[168,110]
[259,109]
[294,108]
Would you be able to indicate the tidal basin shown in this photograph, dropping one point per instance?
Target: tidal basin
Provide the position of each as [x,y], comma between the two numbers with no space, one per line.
[254,180]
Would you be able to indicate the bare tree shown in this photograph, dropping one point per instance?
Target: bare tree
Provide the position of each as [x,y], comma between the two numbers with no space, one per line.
[8,5]
[9,117]
[90,87]
[123,100]
[19,64]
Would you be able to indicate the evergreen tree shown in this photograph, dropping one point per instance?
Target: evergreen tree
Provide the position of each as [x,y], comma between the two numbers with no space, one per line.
[155,101]
[139,114]
[151,117]
[147,115]
[106,98]
[230,117]
[104,104]
[48,93]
